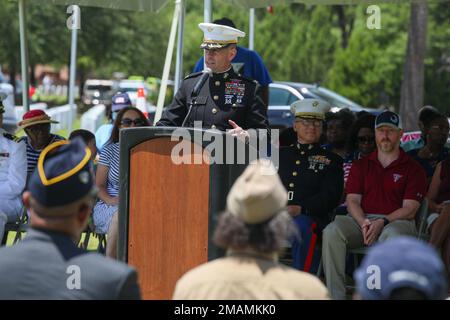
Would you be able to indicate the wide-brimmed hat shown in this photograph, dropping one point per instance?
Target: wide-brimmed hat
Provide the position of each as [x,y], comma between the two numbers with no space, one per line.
[33,117]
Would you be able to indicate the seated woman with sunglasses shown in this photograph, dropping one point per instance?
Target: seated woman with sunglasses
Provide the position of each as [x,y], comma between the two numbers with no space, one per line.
[436,130]
[107,175]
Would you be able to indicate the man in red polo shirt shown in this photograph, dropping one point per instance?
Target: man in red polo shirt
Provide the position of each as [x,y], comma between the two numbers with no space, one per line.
[384,191]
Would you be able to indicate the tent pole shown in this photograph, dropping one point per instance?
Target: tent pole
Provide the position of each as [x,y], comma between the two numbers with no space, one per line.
[24,54]
[251,31]
[169,52]
[179,60]
[207,11]
[74,26]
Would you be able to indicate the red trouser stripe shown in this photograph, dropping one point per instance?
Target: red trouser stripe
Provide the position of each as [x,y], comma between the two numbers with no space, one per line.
[312,247]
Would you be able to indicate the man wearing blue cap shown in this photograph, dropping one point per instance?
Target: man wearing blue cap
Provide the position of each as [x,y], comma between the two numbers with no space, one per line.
[103,133]
[402,268]
[13,175]
[47,264]
[384,191]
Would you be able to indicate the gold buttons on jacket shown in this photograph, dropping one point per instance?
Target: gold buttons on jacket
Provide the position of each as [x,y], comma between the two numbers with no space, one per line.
[214,110]
[303,152]
[213,127]
[297,162]
[216,97]
[217,83]
[294,173]
[291,185]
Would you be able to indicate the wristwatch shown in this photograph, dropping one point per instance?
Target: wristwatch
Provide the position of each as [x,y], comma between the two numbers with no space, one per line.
[386,221]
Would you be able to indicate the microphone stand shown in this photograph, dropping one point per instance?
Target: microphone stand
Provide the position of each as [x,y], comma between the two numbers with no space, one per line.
[193,101]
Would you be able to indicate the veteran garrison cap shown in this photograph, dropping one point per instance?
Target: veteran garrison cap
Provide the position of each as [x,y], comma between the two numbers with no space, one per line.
[310,108]
[216,36]
[64,174]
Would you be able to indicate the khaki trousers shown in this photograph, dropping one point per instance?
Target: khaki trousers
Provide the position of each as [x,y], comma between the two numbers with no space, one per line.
[345,233]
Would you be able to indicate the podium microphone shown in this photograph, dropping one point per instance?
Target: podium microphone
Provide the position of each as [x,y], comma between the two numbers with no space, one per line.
[196,90]
[199,85]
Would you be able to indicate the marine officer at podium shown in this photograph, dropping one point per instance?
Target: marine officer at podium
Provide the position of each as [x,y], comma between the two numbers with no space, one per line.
[218,97]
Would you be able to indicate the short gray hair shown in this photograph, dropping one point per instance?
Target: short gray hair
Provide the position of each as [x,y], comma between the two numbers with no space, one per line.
[266,237]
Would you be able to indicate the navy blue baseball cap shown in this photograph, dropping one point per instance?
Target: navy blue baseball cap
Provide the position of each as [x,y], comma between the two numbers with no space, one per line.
[64,174]
[120,101]
[401,262]
[388,118]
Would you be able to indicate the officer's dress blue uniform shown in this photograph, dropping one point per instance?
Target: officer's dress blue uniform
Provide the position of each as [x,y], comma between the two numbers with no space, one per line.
[314,180]
[225,96]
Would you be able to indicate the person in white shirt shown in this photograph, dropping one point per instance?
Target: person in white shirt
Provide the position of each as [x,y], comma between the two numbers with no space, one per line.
[13,175]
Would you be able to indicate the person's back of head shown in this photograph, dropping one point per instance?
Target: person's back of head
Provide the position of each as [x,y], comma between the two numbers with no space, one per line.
[85,135]
[401,268]
[88,138]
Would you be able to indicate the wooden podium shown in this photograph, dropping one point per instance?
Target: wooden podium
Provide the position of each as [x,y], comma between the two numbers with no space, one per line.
[167,211]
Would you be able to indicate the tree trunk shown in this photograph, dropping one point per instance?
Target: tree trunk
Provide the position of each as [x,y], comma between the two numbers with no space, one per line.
[345,24]
[412,91]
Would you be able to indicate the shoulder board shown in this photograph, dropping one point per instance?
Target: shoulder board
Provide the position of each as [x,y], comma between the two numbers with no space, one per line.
[193,75]
[11,137]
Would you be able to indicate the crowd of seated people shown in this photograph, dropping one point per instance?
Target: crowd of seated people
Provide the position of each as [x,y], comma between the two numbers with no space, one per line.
[378,185]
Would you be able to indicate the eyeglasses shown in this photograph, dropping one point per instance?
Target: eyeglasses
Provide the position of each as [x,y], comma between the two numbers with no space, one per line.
[128,122]
[366,139]
[309,122]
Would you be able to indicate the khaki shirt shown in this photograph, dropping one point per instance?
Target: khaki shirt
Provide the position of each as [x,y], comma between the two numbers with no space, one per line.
[245,276]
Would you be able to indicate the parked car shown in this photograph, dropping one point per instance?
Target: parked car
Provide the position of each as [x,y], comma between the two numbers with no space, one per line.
[9,117]
[97,91]
[282,94]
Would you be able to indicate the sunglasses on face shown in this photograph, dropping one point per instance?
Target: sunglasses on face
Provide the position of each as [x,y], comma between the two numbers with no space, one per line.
[129,122]
[366,139]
